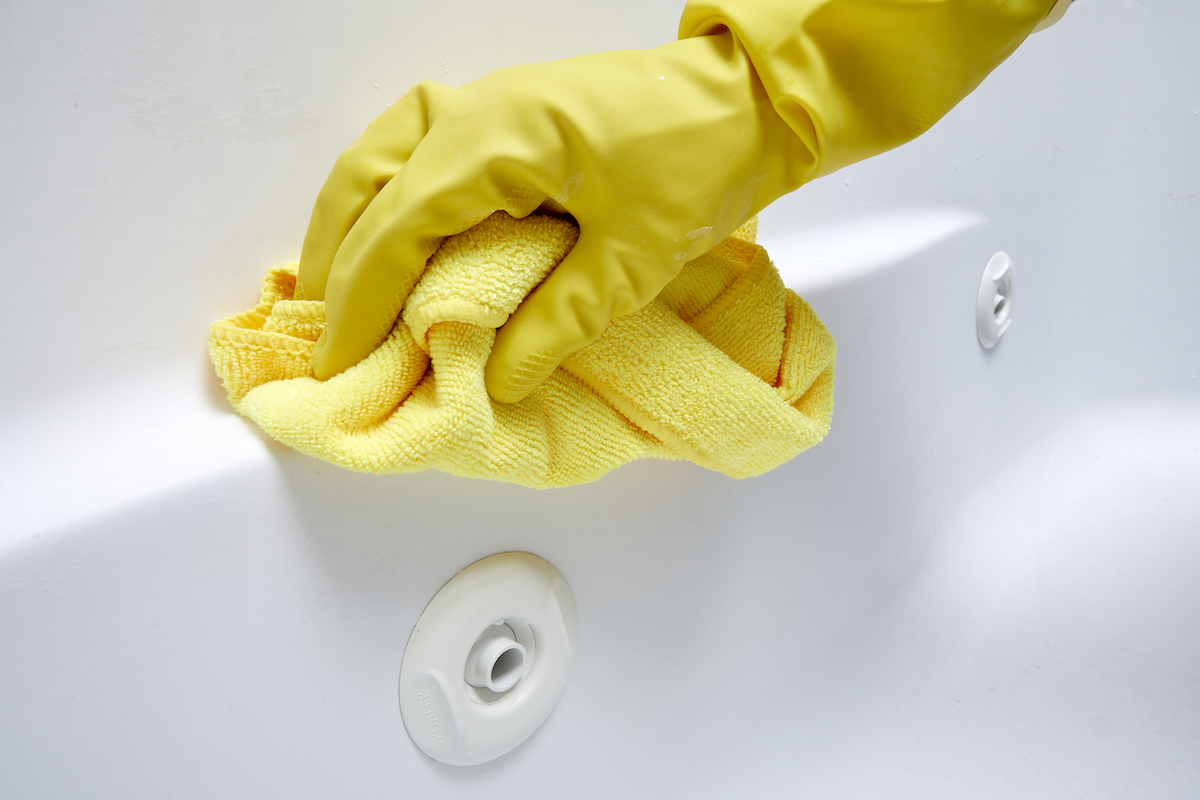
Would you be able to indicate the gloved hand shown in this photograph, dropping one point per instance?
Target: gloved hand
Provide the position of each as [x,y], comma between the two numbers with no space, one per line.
[1056,14]
[658,154]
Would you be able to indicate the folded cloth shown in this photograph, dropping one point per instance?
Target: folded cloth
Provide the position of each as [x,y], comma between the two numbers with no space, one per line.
[727,368]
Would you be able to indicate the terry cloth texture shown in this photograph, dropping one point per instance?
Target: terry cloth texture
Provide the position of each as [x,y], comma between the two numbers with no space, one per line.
[727,368]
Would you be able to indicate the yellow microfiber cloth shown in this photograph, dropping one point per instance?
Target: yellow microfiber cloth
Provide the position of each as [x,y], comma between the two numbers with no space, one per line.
[727,368]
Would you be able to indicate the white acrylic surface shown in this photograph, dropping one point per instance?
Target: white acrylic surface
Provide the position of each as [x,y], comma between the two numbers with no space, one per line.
[982,584]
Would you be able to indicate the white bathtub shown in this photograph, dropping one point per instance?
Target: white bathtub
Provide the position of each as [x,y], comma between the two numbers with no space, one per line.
[984,583]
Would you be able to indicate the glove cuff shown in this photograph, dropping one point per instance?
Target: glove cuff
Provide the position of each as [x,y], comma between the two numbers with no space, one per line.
[853,79]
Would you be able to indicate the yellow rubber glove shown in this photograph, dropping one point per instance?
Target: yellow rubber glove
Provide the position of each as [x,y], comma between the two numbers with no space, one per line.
[854,78]
[1056,13]
[658,154]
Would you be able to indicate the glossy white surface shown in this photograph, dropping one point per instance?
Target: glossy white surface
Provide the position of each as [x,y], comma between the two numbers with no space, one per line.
[982,584]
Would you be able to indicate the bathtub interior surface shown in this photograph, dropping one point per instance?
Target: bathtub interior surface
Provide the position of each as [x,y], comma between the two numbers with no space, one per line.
[982,584]
[241,636]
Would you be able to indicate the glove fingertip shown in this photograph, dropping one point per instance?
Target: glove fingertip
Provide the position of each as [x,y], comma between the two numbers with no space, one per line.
[511,383]
[327,361]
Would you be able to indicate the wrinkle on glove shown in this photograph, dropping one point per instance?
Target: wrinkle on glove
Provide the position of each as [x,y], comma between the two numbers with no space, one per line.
[727,368]
[855,78]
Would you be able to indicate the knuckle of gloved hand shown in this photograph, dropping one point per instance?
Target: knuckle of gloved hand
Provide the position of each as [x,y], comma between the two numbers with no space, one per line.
[426,94]
[512,101]
[348,169]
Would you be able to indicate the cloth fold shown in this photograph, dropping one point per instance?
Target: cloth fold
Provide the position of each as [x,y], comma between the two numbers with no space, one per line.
[727,368]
